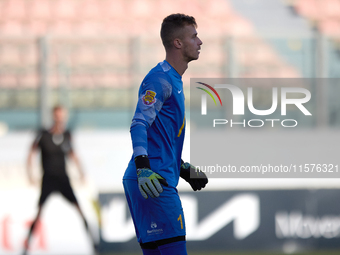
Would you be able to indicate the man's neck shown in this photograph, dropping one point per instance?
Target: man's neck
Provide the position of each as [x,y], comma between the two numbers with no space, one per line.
[57,129]
[178,64]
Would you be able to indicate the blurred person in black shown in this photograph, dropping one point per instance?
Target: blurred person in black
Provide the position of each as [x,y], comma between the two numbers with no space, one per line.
[55,146]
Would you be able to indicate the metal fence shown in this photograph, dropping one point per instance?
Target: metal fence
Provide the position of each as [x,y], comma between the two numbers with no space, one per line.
[89,74]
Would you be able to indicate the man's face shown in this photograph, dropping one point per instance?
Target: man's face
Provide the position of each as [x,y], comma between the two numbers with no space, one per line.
[191,43]
[60,116]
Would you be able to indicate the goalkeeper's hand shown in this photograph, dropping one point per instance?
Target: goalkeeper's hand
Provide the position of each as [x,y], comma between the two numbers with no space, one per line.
[193,176]
[149,182]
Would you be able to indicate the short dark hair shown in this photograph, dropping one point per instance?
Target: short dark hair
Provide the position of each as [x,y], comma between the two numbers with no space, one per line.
[58,107]
[172,25]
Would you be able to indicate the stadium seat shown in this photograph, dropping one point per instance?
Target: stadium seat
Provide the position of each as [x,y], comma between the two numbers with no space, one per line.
[39,9]
[10,55]
[90,9]
[89,28]
[29,80]
[114,9]
[140,8]
[15,9]
[308,9]
[65,9]
[61,27]
[11,28]
[8,80]
[330,27]
[37,27]
[330,8]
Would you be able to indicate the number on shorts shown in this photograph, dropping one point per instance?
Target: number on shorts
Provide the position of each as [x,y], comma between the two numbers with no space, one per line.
[180,219]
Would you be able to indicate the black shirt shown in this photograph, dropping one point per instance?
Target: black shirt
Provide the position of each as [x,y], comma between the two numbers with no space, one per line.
[54,148]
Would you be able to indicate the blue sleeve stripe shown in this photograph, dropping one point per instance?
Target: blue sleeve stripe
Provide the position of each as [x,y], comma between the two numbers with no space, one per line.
[139,138]
[139,150]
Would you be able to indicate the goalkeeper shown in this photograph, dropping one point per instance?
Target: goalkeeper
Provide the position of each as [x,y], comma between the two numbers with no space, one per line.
[157,133]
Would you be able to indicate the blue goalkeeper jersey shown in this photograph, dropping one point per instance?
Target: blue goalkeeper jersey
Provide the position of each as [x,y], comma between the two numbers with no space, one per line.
[158,125]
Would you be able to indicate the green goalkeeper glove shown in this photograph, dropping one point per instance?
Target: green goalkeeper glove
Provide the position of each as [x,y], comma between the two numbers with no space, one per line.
[149,182]
[193,176]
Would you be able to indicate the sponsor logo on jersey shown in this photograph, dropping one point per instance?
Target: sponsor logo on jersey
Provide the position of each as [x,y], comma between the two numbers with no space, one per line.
[149,97]
[153,225]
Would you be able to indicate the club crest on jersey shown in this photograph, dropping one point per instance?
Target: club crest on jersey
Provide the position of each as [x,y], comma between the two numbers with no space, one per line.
[149,97]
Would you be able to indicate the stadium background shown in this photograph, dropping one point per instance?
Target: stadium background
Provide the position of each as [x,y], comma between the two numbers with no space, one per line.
[90,55]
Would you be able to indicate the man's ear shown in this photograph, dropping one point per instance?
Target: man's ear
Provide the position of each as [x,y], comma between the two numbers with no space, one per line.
[178,43]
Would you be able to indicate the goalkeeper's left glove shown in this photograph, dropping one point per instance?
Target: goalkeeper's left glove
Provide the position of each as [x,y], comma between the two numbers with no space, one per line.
[149,182]
[193,176]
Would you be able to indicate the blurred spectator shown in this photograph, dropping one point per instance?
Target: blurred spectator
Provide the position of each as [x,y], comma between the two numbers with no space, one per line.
[55,145]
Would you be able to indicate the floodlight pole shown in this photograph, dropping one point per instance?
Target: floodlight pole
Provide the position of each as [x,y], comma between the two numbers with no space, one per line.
[44,100]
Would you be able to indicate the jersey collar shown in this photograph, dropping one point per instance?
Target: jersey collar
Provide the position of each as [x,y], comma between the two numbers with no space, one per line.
[167,67]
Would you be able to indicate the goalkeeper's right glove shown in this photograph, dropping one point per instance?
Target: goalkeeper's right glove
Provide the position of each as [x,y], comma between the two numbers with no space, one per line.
[196,178]
[149,182]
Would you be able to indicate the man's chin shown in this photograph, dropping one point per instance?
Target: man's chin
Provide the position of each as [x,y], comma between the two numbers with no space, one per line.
[193,58]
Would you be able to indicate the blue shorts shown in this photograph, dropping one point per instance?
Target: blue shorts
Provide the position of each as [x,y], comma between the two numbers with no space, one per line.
[155,218]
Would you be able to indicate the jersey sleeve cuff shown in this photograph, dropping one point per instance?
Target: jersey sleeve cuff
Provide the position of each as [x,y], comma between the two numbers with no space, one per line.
[142,161]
